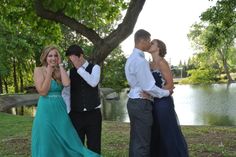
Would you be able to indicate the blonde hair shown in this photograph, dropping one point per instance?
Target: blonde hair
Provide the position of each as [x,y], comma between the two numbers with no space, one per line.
[43,60]
[45,52]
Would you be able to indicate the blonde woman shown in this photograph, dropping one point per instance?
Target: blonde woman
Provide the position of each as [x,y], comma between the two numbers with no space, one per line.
[53,133]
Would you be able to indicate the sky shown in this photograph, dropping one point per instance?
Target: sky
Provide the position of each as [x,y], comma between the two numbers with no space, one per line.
[169,21]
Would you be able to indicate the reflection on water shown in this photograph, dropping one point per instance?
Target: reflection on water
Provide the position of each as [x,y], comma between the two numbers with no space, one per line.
[206,105]
[116,110]
[28,111]
[194,104]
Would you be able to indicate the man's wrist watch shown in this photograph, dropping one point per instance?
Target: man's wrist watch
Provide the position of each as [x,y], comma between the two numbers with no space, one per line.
[64,64]
[61,65]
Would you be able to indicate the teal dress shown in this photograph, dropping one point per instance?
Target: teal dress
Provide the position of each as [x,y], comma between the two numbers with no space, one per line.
[53,134]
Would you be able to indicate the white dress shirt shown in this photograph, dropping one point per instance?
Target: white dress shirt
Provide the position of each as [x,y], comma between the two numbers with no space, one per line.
[140,78]
[93,78]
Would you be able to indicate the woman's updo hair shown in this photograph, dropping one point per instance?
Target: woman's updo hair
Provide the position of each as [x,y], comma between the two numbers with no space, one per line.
[162,47]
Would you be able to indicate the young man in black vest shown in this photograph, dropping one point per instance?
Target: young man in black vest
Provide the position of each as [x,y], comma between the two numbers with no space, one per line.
[85,101]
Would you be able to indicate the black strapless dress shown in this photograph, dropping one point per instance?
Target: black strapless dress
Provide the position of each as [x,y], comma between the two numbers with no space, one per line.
[167,138]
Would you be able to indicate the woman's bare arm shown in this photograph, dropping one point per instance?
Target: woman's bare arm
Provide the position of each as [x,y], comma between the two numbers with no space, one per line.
[64,76]
[42,81]
[167,74]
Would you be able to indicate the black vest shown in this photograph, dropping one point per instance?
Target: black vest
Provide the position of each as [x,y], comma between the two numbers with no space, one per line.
[83,96]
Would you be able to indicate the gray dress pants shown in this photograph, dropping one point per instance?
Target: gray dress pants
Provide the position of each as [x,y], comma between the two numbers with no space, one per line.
[140,114]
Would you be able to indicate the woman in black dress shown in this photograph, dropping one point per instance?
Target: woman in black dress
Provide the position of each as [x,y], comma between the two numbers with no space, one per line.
[167,138]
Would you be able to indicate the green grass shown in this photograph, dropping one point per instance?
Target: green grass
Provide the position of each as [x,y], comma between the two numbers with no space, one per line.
[203,141]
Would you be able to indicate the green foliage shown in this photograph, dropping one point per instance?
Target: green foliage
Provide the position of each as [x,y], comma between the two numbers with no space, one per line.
[199,76]
[232,59]
[214,37]
[113,75]
[218,120]
[22,36]
[221,29]
[96,14]
[223,12]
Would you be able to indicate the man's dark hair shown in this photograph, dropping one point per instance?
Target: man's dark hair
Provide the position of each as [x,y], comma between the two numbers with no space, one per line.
[141,34]
[74,50]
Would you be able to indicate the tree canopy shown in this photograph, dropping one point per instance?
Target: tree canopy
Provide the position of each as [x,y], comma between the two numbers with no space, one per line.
[214,37]
[27,26]
[96,20]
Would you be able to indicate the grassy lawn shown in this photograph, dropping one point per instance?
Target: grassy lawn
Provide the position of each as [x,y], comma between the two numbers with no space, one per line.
[203,141]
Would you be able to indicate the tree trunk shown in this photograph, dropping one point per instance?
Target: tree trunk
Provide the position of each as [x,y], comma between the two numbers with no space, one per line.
[15,76]
[225,66]
[1,89]
[102,75]
[102,46]
[226,70]
[21,81]
[5,85]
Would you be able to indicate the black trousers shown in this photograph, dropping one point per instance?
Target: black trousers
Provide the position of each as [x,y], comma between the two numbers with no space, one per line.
[88,125]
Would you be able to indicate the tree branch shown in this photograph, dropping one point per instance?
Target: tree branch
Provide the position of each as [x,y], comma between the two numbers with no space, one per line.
[60,17]
[102,47]
[123,30]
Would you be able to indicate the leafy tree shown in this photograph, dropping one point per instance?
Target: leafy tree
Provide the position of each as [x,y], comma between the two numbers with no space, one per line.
[199,76]
[22,36]
[214,37]
[95,20]
[113,74]
[96,25]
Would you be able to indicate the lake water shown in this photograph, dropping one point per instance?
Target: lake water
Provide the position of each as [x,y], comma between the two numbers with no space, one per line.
[194,104]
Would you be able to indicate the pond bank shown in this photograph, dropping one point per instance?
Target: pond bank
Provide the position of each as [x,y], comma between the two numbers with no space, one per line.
[15,134]
[8,101]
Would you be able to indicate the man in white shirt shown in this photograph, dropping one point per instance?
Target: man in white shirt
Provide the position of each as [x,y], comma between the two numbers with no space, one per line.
[140,80]
[85,111]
